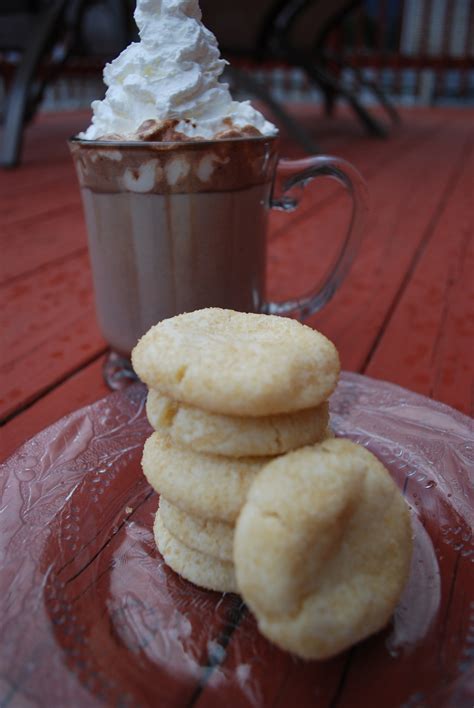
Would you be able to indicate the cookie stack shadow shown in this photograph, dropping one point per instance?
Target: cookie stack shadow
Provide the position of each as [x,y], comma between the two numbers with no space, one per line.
[220,414]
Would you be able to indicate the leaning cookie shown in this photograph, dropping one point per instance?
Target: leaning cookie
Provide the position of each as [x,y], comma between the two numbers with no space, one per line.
[236,363]
[322,548]
[236,436]
[211,537]
[208,486]
[198,568]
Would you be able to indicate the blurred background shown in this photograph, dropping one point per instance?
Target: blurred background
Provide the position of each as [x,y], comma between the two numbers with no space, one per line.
[388,85]
[366,55]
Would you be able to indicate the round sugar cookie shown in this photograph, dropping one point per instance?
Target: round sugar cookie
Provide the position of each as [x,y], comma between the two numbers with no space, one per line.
[322,548]
[199,568]
[238,363]
[236,436]
[214,538]
[208,486]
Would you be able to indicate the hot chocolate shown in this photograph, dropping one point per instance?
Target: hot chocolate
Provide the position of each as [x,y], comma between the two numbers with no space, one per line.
[174,228]
[176,180]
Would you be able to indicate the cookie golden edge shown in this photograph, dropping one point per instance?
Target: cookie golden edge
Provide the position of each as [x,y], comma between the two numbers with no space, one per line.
[214,538]
[332,612]
[198,568]
[235,436]
[218,360]
[207,486]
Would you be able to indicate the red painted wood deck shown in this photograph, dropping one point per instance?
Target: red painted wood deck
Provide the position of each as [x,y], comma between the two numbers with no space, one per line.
[405,313]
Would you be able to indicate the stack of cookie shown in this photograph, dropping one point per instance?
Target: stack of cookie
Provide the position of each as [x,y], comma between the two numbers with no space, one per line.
[228,392]
[254,497]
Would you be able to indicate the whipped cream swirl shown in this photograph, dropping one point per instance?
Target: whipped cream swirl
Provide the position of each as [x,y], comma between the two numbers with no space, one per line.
[172,73]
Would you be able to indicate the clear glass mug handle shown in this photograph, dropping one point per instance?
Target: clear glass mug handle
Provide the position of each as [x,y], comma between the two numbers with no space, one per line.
[299,173]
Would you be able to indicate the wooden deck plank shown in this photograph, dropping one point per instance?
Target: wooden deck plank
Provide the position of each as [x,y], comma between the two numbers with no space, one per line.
[321,225]
[27,191]
[419,198]
[53,331]
[36,241]
[405,200]
[82,388]
[46,138]
[348,318]
[436,309]
[369,156]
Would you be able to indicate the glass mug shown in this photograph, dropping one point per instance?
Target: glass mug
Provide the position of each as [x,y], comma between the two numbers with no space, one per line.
[175,227]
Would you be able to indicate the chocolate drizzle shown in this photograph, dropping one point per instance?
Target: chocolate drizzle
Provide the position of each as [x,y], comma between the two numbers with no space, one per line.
[169,166]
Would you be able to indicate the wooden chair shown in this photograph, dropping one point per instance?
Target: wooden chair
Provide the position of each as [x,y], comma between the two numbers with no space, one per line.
[29,28]
[428,45]
[238,27]
[292,32]
[298,32]
[44,33]
[352,50]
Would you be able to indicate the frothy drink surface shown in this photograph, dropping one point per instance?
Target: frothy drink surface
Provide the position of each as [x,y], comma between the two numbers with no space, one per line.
[154,255]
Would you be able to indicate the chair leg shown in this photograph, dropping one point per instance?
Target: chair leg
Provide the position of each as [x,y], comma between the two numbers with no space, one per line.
[329,101]
[20,90]
[327,82]
[297,132]
[382,97]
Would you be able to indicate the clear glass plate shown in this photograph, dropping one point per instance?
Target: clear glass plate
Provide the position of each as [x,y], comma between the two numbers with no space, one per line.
[91,615]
